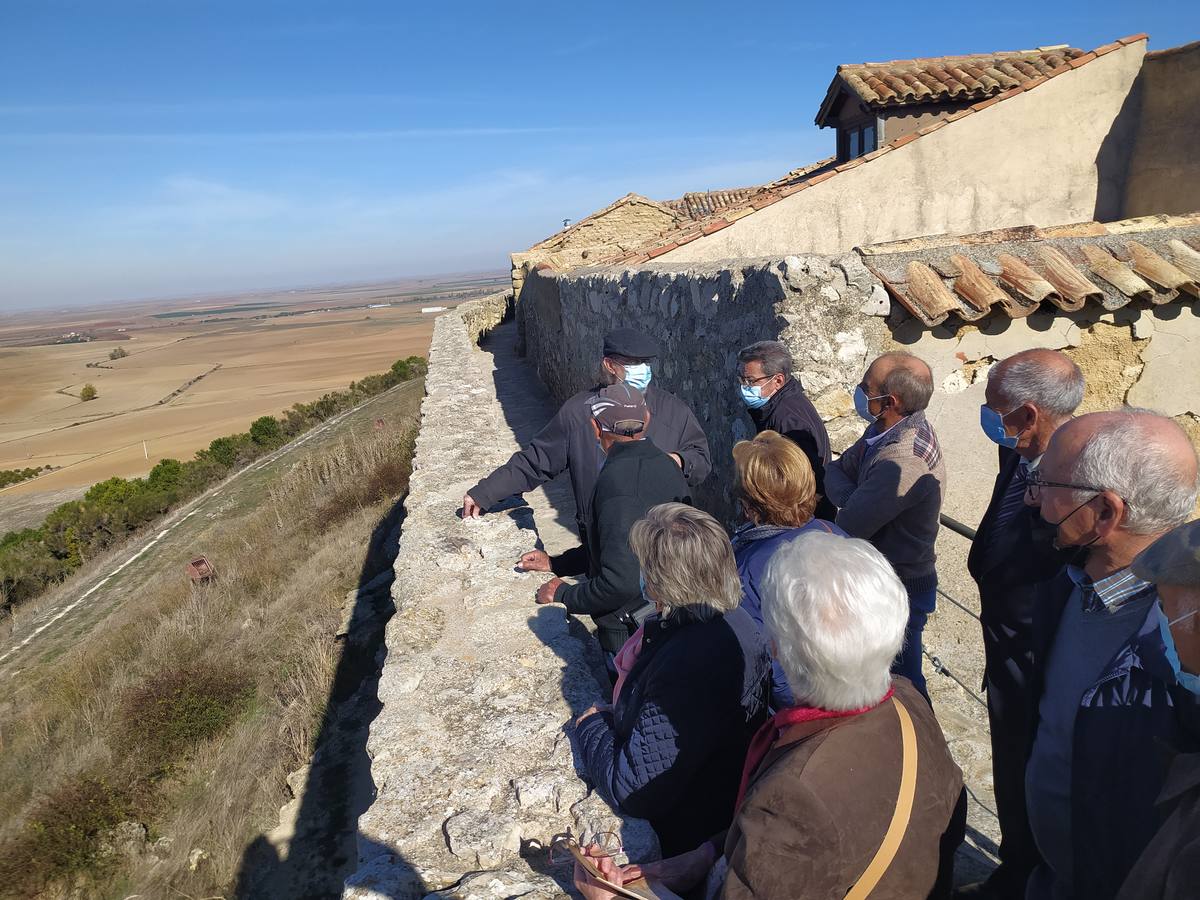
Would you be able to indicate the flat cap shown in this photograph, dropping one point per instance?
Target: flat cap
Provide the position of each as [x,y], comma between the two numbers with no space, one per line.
[619,409]
[1173,559]
[631,343]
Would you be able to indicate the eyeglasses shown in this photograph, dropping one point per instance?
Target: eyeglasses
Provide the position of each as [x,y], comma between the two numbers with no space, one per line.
[751,382]
[601,844]
[1034,484]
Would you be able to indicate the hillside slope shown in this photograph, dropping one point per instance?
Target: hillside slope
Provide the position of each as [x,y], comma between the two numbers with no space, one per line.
[150,724]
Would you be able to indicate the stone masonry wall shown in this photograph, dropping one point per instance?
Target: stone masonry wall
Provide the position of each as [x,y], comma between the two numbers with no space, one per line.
[835,317]
[472,769]
[827,310]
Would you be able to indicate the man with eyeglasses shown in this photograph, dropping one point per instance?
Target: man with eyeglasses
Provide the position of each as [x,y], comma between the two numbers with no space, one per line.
[775,401]
[1169,869]
[1028,396]
[889,486]
[1111,484]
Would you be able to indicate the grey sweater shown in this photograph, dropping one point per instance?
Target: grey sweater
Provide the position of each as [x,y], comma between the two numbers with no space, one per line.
[891,495]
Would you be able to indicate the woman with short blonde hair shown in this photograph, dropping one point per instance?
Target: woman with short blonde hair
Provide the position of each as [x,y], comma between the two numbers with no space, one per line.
[777,491]
[672,748]
[687,561]
[774,480]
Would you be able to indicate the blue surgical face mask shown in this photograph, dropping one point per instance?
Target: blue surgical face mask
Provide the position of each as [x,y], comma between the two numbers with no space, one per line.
[1187,680]
[638,376]
[992,424]
[862,403]
[752,396]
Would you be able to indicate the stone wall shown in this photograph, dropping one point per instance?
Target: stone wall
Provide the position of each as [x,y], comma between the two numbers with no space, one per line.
[821,307]
[834,316]
[1164,173]
[472,769]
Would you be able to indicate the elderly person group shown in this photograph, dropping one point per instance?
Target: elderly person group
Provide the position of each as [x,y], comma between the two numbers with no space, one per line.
[771,718]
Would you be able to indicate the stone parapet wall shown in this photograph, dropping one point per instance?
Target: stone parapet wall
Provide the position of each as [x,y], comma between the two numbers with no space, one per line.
[472,769]
[835,316]
[826,309]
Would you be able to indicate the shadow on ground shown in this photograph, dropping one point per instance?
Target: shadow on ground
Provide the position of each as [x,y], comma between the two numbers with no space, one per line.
[324,847]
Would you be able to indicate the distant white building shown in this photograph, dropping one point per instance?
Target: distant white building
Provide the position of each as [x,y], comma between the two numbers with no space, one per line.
[434,309]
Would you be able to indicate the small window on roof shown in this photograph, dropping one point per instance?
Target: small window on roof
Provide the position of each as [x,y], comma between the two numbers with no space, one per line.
[868,139]
[855,144]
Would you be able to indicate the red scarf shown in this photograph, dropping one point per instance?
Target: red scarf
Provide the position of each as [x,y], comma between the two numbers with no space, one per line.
[771,729]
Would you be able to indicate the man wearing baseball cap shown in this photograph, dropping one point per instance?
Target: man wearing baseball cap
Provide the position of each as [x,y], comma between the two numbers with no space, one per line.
[1169,867]
[568,441]
[636,476]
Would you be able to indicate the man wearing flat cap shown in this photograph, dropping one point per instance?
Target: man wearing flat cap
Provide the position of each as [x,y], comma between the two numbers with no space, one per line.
[1169,867]
[636,476]
[569,442]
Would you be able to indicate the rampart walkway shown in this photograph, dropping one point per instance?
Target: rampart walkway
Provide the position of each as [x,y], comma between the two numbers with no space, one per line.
[472,768]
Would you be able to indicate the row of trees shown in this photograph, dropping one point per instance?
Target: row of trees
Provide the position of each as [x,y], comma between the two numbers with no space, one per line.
[33,559]
[12,476]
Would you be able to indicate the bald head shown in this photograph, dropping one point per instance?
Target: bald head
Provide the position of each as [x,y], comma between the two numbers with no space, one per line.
[1048,379]
[906,377]
[1144,458]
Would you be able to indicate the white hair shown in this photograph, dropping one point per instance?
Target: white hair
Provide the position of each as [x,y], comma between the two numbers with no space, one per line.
[836,611]
[1053,389]
[1130,460]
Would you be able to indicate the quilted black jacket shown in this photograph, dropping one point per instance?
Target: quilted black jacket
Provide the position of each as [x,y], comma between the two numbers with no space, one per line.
[673,748]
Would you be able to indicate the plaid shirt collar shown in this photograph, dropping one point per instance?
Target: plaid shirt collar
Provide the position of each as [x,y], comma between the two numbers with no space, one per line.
[1110,593]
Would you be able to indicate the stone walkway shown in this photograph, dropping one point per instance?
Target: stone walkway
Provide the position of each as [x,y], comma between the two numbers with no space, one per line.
[473,772]
[472,769]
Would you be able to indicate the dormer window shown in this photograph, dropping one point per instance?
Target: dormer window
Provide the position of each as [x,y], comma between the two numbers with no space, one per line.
[857,141]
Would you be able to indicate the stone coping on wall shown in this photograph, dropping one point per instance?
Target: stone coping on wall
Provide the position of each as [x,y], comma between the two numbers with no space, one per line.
[473,770]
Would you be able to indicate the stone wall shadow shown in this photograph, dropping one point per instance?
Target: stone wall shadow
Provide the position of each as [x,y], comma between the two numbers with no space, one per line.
[527,406]
[326,846]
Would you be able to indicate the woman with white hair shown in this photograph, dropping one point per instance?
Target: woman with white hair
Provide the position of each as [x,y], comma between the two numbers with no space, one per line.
[850,792]
[671,750]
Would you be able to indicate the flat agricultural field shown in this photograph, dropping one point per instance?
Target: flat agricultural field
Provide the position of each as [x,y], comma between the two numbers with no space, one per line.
[193,372]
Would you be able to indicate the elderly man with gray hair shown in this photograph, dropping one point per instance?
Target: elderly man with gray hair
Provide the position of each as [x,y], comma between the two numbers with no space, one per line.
[1170,867]
[776,401]
[1029,395]
[851,792]
[890,485]
[1111,484]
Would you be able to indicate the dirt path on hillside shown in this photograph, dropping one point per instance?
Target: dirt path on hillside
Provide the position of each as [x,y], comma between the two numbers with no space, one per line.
[44,627]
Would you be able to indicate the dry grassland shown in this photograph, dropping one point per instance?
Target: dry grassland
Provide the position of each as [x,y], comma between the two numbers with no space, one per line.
[264,367]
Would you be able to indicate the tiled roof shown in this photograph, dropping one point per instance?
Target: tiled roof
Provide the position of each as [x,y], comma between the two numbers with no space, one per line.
[902,82]
[698,204]
[812,175]
[557,239]
[1015,270]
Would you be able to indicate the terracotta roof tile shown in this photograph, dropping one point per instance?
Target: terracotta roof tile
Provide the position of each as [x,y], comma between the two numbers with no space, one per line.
[1016,270]
[908,81]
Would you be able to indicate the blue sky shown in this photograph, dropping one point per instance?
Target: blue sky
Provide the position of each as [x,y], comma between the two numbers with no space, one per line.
[169,147]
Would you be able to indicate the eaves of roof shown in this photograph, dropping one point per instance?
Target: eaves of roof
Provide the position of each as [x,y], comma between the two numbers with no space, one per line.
[1154,259]
[775,191]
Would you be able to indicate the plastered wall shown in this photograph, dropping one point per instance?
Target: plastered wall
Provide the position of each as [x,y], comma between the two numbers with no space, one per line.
[1055,154]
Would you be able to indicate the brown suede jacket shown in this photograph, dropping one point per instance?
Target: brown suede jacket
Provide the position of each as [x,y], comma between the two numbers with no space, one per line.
[822,801]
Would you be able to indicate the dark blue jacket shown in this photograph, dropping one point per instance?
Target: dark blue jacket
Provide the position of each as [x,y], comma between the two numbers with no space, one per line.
[752,548]
[1129,723]
[672,750]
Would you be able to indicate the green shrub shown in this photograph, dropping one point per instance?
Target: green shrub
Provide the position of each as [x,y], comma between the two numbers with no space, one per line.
[119,353]
[167,716]
[266,432]
[63,837]
[88,392]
